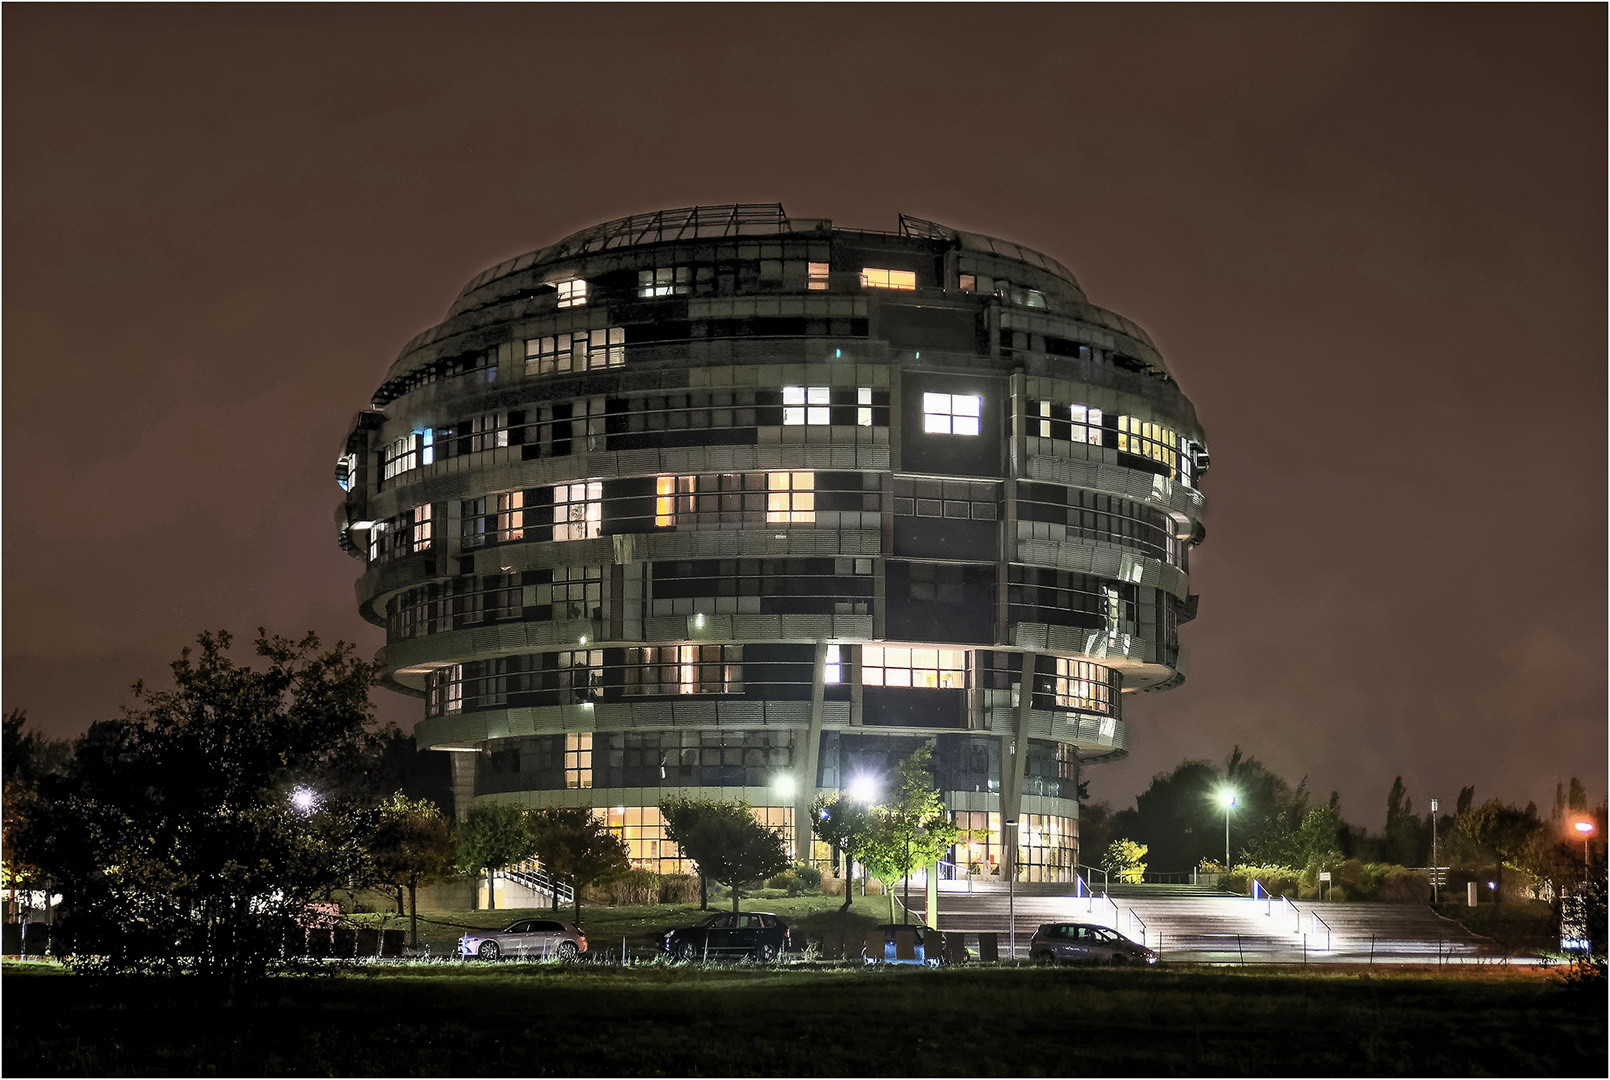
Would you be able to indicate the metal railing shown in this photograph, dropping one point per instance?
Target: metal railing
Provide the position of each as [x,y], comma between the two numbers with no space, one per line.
[1133,919]
[1297,916]
[1318,922]
[533,877]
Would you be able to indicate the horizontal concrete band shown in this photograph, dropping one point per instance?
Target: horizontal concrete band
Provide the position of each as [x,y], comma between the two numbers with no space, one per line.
[962,801]
[1095,737]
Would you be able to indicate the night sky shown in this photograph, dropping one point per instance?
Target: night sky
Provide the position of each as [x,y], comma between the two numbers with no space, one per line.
[1370,243]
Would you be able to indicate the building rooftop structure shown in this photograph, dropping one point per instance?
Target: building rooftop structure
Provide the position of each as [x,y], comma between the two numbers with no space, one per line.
[706,500]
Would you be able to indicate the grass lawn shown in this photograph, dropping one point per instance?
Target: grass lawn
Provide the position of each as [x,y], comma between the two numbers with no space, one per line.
[641,925]
[507,1019]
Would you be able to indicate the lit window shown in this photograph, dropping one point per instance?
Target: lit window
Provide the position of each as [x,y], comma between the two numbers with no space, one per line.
[572,293]
[968,282]
[1075,422]
[489,431]
[666,281]
[951,414]
[579,760]
[421,528]
[863,406]
[833,666]
[444,690]
[874,278]
[581,677]
[816,276]
[578,510]
[668,490]
[377,543]
[805,405]
[944,669]
[407,453]
[511,515]
[790,497]
[1149,440]
[684,669]
[581,351]
[1082,685]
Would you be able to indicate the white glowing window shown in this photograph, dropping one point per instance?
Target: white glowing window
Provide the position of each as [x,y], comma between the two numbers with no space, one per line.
[444,690]
[951,414]
[938,669]
[377,543]
[578,510]
[790,497]
[407,453]
[863,406]
[572,293]
[805,405]
[666,281]
[1074,422]
[489,432]
[874,278]
[816,276]
[420,540]
[833,665]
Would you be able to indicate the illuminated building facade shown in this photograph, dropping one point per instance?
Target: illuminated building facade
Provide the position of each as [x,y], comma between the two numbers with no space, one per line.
[720,502]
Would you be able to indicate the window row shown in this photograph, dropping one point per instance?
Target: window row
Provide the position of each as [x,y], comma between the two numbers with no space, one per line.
[1158,447]
[404,534]
[975,500]
[1092,515]
[814,405]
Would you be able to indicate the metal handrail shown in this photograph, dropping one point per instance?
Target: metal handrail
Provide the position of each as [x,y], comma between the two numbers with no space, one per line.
[537,880]
[1133,919]
[1114,904]
[1258,891]
[1318,922]
[1295,913]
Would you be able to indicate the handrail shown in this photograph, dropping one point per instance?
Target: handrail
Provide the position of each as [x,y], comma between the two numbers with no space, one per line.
[1133,919]
[1295,913]
[1258,891]
[1114,904]
[537,880]
[1317,923]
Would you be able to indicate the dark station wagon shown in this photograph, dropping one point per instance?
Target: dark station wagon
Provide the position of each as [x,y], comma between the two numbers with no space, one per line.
[756,934]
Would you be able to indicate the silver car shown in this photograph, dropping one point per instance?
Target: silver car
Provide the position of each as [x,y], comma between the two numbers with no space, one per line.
[527,939]
[1085,943]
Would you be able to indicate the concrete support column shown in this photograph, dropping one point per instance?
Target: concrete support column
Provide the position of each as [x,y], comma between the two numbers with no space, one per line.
[1014,755]
[462,763]
[808,758]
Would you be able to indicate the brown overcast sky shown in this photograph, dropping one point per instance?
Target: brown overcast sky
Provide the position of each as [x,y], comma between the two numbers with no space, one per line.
[1371,243]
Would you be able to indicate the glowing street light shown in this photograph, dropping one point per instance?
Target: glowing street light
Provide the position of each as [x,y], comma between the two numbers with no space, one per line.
[786,788]
[304,799]
[1227,800]
[1584,828]
[864,789]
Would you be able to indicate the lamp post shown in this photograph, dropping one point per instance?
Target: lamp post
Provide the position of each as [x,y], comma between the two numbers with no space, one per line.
[1227,800]
[1585,829]
[1011,889]
[1433,851]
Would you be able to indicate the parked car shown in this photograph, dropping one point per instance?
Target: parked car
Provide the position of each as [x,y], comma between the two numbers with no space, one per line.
[528,939]
[1083,943]
[930,951]
[757,934]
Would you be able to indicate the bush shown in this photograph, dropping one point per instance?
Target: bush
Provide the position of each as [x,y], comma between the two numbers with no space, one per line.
[1278,880]
[635,887]
[679,889]
[1401,885]
[801,879]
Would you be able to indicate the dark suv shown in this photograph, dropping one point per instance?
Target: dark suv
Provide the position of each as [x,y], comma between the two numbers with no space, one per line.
[758,934]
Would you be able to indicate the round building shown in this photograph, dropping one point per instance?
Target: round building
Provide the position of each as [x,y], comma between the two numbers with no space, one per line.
[720,502]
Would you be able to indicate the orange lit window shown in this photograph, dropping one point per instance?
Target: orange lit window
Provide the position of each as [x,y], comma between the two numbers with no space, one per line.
[874,278]
[790,497]
[816,276]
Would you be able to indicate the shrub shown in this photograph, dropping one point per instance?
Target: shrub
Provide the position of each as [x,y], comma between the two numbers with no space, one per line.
[1278,880]
[1399,884]
[679,889]
[635,887]
[801,879]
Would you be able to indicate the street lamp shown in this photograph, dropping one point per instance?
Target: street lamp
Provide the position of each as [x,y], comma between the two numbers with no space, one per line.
[1011,888]
[1227,800]
[304,799]
[864,789]
[1585,829]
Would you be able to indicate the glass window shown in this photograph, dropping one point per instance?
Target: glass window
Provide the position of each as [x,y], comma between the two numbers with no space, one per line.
[806,405]
[863,406]
[1082,685]
[684,669]
[420,540]
[883,665]
[578,510]
[968,282]
[407,453]
[579,760]
[572,293]
[816,276]
[951,414]
[1149,440]
[670,491]
[665,281]
[583,350]
[833,667]
[791,497]
[875,278]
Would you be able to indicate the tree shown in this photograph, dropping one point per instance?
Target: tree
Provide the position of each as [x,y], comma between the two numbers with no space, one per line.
[913,829]
[1503,830]
[1405,841]
[1124,860]
[724,841]
[845,824]
[410,845]
[492,836]
[1319,837]
[578,849]
[171,834]
[26,760]
[1095,827]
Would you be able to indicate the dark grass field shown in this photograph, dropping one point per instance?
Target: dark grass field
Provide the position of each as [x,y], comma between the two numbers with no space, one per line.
[542,1020]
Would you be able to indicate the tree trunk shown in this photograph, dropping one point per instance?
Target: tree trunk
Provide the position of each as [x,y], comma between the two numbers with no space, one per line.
[413,914]
[575,894]
[888,890]
[704,893]
[399,900]
[491,897]
[735,897]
